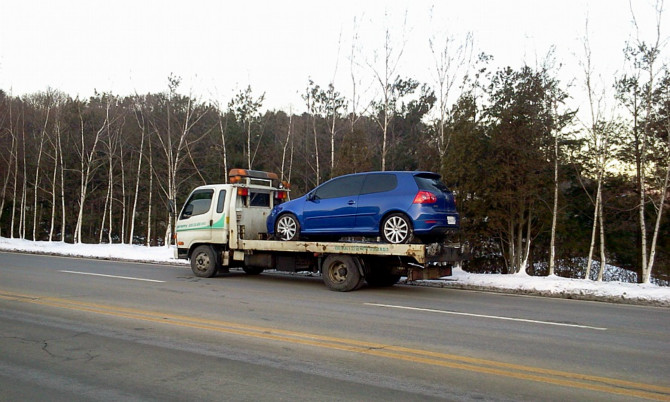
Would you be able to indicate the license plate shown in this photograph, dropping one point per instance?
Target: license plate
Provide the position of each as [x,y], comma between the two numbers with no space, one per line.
[451,220]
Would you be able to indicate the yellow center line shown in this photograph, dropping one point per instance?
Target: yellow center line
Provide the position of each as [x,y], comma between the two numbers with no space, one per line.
[528,373]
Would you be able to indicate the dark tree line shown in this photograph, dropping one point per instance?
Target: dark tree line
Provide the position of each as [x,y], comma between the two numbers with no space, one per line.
[526,176]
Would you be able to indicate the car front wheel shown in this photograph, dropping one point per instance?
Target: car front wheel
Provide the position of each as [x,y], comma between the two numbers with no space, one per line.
[396,229]
[287,228]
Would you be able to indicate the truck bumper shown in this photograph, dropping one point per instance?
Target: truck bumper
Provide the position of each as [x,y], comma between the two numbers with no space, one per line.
[180,253]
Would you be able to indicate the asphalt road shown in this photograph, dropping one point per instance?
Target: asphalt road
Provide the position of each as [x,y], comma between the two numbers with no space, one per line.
[78,329]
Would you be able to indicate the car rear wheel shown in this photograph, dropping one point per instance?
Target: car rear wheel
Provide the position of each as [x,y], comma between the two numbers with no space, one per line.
[287,228]
[397,229]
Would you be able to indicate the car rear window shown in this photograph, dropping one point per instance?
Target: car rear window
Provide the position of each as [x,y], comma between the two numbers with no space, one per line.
[379,183]
[430,182]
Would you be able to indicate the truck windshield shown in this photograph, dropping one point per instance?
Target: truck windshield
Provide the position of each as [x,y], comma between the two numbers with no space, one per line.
[198,203]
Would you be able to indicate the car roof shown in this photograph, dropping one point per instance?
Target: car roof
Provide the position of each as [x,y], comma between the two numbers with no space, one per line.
[410,172]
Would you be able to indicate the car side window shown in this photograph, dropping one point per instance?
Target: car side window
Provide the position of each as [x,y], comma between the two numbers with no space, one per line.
[340,187]
[198,204]
[379,183]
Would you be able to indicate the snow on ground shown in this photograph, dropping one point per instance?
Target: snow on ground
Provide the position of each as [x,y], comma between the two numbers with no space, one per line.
[554,286]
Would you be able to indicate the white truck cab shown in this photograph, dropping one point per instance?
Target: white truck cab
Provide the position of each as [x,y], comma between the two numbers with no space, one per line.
[248,200]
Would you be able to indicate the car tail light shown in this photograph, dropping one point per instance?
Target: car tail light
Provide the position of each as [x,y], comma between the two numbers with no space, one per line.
[425,197]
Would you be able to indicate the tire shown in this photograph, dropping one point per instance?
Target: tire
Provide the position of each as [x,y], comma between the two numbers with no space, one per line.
[397,229]
[204,262]
[378,275]
[342,273]
[253,270]
[381,279]
[287,228]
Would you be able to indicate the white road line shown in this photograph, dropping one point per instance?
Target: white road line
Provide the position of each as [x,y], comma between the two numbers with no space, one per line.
[495,317]
[112,276]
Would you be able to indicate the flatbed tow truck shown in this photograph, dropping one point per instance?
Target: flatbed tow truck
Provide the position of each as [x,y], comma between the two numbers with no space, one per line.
[222,226]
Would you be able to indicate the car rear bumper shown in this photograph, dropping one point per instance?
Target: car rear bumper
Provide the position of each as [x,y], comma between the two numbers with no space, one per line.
[436,223]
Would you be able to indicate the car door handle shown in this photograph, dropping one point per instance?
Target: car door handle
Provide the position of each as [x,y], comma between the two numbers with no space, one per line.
[351,202]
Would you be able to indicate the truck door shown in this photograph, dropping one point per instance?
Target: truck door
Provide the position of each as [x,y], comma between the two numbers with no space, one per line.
[195,219]
[219,222]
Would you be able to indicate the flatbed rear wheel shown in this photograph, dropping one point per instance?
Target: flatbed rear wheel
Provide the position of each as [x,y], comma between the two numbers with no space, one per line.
[342,273]
[252,270]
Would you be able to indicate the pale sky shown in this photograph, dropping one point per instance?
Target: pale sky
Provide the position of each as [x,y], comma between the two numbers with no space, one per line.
[220,47]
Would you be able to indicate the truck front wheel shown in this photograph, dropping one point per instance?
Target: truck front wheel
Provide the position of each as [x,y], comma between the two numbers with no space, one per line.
[204,262]
[342,273]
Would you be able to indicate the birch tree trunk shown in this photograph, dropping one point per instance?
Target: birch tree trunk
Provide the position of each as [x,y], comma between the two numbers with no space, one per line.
[603,260]
[284,148]
[223,129]
[150,195]
[62,181]
[554,214]
[54,180]
[11,168]
[140,156]
[37,172]
[24,187]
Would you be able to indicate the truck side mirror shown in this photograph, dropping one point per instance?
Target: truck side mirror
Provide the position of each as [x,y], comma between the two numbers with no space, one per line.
[171,208]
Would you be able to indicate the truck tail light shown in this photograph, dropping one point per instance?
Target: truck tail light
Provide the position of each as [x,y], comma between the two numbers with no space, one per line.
[243,192]
[281,195]
[425,197]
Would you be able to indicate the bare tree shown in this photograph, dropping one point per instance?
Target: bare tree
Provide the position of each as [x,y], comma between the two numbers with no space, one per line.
[452,63]
[87,160]
[639,93]
[12,161]
[141,123]
[598,143]
[334,103]
[385,78]
[246,110]
[289,130]
[312,98]
[174,142]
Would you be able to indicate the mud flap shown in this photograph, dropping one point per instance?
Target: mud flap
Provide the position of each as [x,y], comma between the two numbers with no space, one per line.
[417,274]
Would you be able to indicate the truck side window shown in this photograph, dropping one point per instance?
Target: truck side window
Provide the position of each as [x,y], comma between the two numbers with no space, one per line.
[198,203]
[222,200]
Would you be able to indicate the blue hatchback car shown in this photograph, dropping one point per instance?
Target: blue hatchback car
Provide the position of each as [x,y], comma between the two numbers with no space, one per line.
[394,205]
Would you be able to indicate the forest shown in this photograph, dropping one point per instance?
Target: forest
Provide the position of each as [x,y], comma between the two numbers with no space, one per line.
[538,188]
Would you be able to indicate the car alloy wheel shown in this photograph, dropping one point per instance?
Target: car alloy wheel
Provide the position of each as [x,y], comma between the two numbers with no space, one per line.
[396,229]
[287,228]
